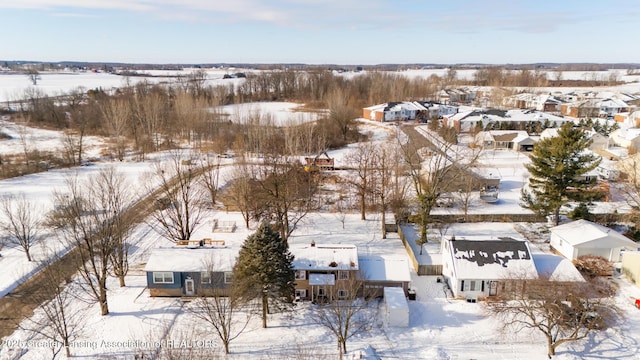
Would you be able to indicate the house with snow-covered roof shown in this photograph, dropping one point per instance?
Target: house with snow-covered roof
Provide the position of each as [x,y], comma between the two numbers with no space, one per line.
[322,270]
[190,271]
[476,267]
[626,138]
[494,119]
[505,139]
[583,237]
[395,111]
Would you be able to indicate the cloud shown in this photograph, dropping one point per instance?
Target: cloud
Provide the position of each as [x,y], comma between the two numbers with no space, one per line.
[453,16]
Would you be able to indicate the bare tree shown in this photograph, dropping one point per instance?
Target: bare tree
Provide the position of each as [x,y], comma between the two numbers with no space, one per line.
[88,217]
[23,224]
[117,114]
[382,180]
[33,75]
[224,314]
[348,314]
[211,177]
[362,161]
[562,311]
[180,191]
[240,195]
[58,318]
[72,147]
[434,167]
[288,192]
[25,140]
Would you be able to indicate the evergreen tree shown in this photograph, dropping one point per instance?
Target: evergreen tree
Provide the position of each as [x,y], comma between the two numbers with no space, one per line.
[556,166]
[264,270]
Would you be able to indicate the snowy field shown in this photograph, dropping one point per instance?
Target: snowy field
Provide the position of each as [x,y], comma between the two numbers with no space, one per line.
[269,113]
[14,86]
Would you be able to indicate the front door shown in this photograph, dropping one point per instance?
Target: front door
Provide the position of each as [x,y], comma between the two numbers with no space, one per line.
[493,288]
[189,287]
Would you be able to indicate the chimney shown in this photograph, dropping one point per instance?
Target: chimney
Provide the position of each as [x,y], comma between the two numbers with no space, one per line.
[313,243]
[453,238]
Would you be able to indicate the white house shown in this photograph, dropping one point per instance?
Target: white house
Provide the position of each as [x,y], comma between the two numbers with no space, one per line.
[583,237]
[505,139]
[626,138]
[473,267]
[394,111]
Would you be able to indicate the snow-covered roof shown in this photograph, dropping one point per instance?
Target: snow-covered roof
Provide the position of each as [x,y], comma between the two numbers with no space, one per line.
[584,233]
[395,298]
[324,257]
[515,136]
[381,268]
[191,260]
[493,258]
[556,268]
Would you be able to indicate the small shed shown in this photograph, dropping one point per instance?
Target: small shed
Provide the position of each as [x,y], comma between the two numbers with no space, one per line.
[396,307]
[583,237]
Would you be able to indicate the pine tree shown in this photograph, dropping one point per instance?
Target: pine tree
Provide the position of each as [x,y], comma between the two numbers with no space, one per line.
[264,270]
[556,166]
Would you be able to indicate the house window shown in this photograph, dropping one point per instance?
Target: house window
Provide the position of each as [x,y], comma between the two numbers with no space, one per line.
[163,277]
[471,285]
[342,294]
[322,291]
[301,275]
[228,277]
[343,275]
[205,277]
[301,293]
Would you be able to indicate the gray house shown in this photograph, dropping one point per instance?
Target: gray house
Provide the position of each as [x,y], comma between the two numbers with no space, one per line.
[187,271]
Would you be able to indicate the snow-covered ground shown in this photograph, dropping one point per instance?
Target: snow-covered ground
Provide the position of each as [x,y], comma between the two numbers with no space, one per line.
[269,113]
[440,328]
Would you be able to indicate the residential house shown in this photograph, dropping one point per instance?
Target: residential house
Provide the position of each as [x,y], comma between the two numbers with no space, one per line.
[628,138]
[505,139]
[475,267]
[395,111]
[322,270]
[379,272]
[543,102]
[493,119]
[322,162]
[583,237]
[630,119]
[593,108]
[185,271]
[457,96]
[598,141]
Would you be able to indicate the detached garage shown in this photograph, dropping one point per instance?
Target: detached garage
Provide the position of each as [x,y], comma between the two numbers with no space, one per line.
[584,237]
[396,307]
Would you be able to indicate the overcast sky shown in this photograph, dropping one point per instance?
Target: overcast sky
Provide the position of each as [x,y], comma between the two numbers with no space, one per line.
[321,31]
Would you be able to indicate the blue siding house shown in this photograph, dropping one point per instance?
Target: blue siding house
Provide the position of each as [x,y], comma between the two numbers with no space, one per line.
[201,271]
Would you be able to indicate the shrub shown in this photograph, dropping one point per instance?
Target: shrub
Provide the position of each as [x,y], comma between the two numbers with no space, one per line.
[592,266]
